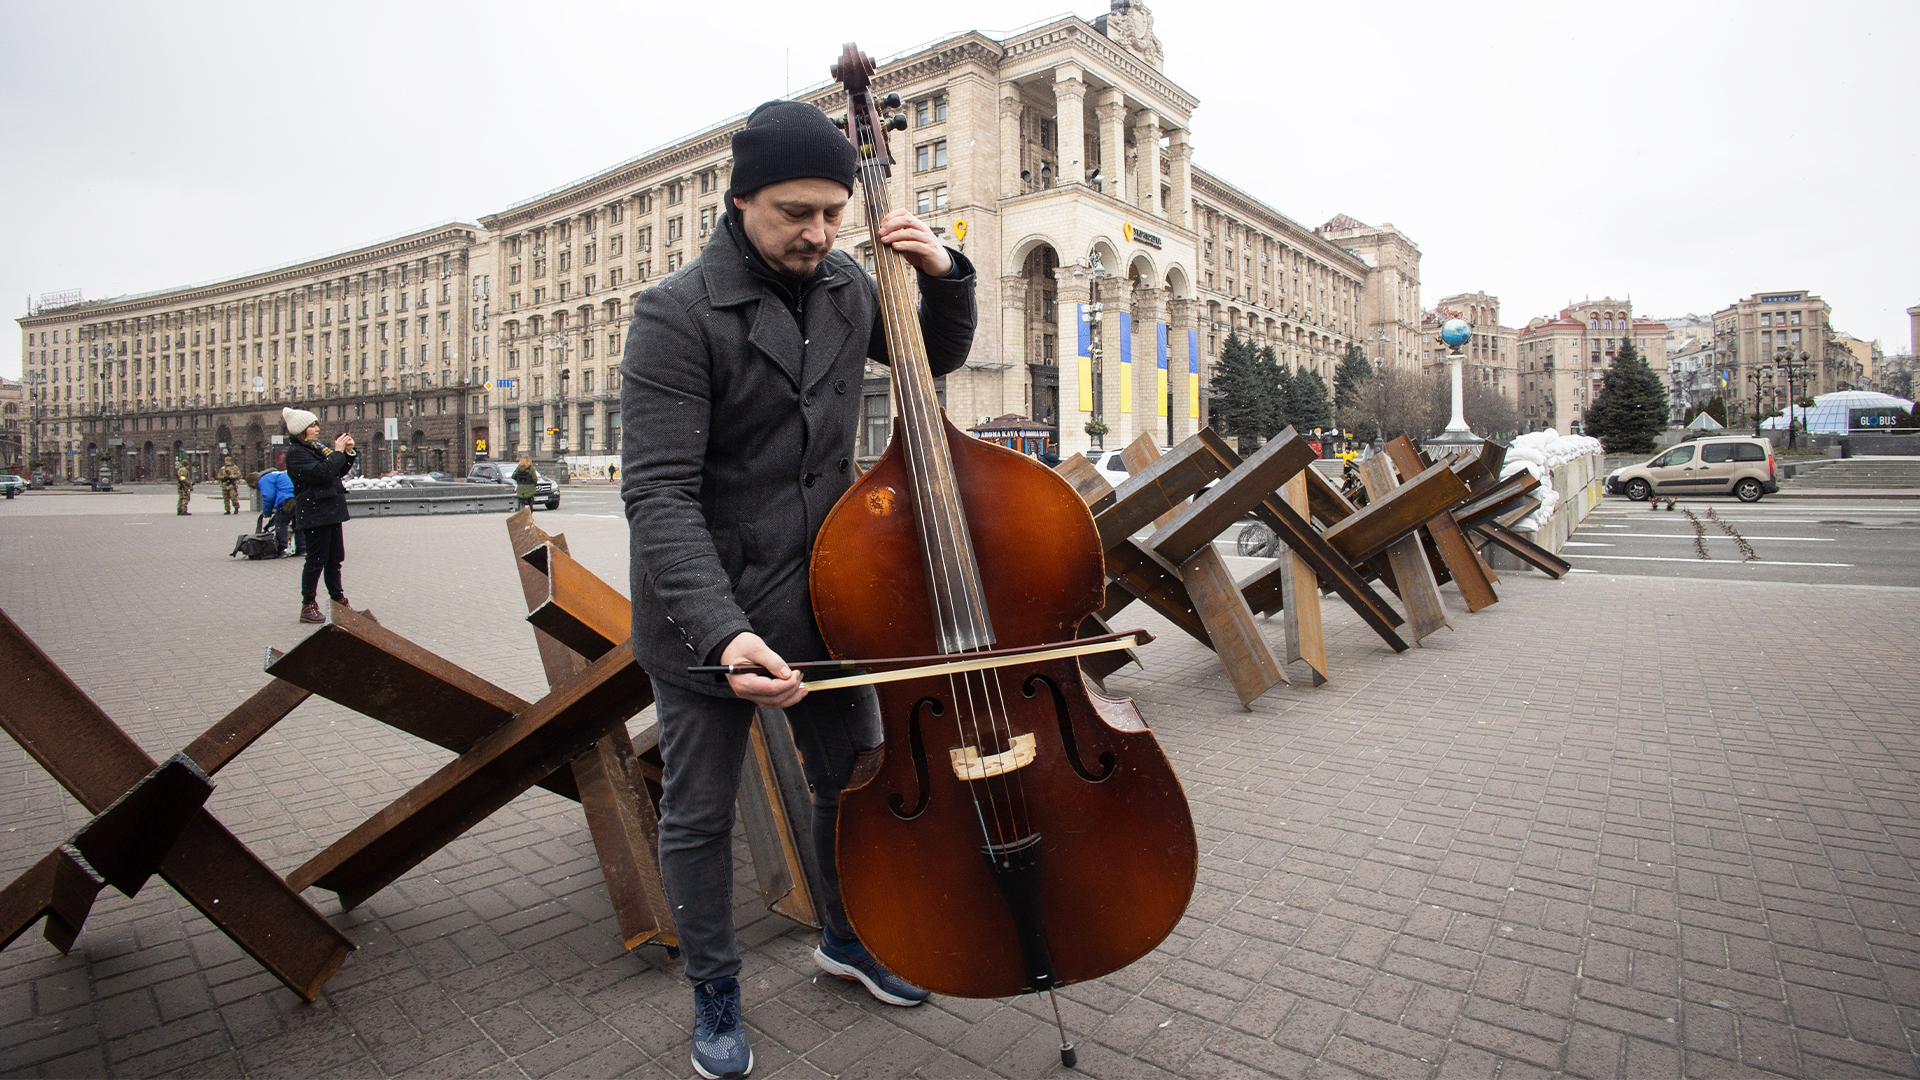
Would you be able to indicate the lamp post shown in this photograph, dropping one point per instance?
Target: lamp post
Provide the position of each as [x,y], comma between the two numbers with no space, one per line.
[1757,376]
[34,379]
[1454,333]
[1091,269]
[1790,362]
[560,346]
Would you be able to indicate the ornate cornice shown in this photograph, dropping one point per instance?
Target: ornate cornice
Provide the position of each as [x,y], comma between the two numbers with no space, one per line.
[1208,186]
[1074,32]
[265,280]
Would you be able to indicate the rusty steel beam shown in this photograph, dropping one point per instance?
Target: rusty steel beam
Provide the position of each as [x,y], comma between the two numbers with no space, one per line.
[580,611]
[621,818]
[1294,529]
[126,842]
[1394,515]
[81,747]
[356,662]
[1253,481]
[499,766]
[59,887]
[1163,485]
[1533,554]
[1447,539]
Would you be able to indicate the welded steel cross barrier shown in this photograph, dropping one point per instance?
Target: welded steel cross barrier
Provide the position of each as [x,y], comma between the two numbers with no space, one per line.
[150,818]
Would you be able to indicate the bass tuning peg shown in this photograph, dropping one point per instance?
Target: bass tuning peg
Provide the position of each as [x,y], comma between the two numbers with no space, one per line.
[897,122]
[891,101]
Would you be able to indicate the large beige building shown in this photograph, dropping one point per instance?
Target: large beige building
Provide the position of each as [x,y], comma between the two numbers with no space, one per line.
[1770,340]
[1562,361]
[1111,268]
[1488,356]
[389,330]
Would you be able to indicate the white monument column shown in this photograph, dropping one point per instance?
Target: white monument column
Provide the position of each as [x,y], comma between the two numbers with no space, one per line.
[1455,333]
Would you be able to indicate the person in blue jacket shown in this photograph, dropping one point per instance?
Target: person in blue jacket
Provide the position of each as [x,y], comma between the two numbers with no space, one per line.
[276,507]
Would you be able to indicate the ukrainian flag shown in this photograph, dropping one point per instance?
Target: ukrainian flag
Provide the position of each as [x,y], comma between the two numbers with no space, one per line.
[1160,367]
[1193,374]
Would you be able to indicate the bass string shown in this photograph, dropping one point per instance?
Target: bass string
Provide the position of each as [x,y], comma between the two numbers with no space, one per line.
[921,454]
[934,472]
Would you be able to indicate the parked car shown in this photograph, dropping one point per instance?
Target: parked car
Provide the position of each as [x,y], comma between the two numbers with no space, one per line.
[12,485]
[1727,465]
[1111,467]
[501,472]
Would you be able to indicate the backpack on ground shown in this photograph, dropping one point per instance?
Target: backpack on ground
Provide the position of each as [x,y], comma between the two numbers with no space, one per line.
[256,546]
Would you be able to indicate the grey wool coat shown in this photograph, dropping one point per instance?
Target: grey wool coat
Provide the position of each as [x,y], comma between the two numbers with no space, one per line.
[738,439]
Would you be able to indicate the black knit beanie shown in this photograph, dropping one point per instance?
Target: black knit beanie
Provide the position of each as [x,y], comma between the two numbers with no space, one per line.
[788,140]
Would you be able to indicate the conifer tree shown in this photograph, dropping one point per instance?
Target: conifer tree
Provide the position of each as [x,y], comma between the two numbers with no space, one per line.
[1274,392]
[1631,410]
[1238,404]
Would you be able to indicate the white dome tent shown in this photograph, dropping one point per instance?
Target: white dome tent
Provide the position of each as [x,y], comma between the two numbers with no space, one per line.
[1831,413]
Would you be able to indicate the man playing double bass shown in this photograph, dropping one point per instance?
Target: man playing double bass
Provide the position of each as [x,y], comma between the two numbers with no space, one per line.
[740,401]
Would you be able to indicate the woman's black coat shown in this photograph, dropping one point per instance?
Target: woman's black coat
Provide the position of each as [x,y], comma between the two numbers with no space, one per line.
[319,498]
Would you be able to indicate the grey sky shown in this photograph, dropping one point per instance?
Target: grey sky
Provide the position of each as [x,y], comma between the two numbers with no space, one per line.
[1687,154]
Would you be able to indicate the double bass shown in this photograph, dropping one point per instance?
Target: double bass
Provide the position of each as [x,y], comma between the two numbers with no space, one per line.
[1017,830]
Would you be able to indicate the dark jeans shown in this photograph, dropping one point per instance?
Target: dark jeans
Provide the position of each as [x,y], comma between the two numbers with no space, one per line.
[326,549]
[703,743]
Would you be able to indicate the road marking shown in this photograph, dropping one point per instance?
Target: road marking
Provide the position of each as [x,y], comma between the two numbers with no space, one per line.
[1580,543]
[1689,536]
[1721,562]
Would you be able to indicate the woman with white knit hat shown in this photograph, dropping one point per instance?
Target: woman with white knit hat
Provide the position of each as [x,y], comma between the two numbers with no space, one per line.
[319,506]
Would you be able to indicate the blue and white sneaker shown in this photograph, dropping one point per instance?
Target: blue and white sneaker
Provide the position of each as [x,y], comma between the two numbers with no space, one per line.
[720,1047]
[851,960]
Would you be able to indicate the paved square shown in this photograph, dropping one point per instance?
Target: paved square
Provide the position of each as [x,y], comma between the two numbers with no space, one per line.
[1608,827]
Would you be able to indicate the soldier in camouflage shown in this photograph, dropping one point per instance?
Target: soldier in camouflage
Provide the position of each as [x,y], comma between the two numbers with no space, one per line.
[185,481]
[229,475]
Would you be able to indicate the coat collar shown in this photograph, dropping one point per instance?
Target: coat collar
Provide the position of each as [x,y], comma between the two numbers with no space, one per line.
[731,282]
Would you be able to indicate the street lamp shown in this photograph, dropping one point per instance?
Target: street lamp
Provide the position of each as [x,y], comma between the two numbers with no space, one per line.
[1757,376]
[560,346]
[1090,268]
[34,379]
[1790,363]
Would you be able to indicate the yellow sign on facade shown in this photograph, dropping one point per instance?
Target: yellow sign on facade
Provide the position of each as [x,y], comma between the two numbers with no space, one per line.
[960,229]
[1126,230]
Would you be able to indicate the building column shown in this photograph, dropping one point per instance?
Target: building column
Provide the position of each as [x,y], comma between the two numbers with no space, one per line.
[1070,124]
[1070,298]
[1013,333]
[1146,139]
[1110,112]
[1119,360]
[1010,112]
[1150,388]
[1185,347]
[1180,202]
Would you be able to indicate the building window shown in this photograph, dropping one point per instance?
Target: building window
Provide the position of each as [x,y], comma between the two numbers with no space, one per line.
[673,229]
[931,155]
[674,191]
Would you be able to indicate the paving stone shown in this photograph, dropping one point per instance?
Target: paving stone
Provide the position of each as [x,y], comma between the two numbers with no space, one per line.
[1489,857]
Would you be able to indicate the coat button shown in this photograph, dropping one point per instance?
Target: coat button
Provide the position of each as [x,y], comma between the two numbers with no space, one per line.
[808,400]
[843,464]
[810,478]
[839,386]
